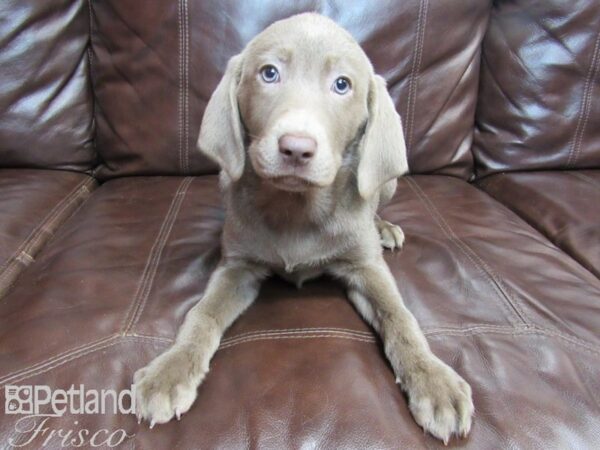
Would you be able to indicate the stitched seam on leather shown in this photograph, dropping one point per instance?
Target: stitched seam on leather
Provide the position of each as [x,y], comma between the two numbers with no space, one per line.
[55,361]
[447,230]
[186,110]
[46,225]
[131,312]
[295,333]
[493,280]
[180,98]
[76,350]
[562,335]
[55,221]
[50,213]
[584,111]
[475,328]
[361,334]
[183,106]
[581,345]
[585,178]
[151,267]
[71,358]
[55,357]
[112,340]
[343,331]
[416,66]
[570,338]
[485,328]
[304,336]
[163,339]
[25,258]
[8,278]
[274,332]
[70,355]
[588,105]
[299,330]
[161,247]
[147,279]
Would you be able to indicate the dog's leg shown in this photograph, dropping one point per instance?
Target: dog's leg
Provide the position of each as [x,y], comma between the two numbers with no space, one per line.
[439,399]
[391,235]
[167,386]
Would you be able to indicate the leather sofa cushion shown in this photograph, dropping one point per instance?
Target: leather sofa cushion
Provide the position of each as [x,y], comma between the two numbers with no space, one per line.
[33,204]
[562,205]
[155,65]
[540,76]
[300,367]
[45,97]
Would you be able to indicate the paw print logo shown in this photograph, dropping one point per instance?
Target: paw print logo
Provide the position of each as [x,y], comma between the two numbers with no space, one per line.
[19,399]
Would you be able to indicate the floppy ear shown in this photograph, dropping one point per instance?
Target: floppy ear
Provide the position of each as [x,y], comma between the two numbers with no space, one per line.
[382,152]
[221,136]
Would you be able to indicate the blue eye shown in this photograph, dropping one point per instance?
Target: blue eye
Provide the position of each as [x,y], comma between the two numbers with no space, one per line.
[341,85]
[269,74]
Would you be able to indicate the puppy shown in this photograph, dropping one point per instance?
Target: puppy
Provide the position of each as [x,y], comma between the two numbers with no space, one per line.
[310,145]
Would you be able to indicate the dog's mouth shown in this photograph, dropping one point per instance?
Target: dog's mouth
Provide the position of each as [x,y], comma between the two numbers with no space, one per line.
[291,183]
[286,177]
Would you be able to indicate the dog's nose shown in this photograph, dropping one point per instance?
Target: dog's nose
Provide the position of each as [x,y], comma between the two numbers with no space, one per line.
[297,150]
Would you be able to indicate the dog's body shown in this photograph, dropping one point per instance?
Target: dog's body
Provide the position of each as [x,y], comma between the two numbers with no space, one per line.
[310,145]
[299,235]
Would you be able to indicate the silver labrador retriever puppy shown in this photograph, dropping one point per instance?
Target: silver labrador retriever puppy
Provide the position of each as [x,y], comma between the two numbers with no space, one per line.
[310,145]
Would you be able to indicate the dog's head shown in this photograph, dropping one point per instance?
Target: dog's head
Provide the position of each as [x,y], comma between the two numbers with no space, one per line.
[295,99]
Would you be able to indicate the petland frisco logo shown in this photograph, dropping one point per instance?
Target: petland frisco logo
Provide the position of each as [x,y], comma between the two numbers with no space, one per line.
[34,399]
[39,403]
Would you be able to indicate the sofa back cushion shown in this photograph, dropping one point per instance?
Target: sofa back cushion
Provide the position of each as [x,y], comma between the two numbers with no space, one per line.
[155,65]
[540,81]
[45,93]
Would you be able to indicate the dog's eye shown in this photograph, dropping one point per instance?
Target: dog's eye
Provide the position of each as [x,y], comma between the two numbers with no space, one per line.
[269,74]
[341,85]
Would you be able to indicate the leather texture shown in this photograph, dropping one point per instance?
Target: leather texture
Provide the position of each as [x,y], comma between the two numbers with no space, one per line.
[154,69]
[33,204]
[300,367]
[46,113]
[503,276]
[540,76]
[562,205]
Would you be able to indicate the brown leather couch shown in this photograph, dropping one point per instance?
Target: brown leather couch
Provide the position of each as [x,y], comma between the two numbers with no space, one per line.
[109,217]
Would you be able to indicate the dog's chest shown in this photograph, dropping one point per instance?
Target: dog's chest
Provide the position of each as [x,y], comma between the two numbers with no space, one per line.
[292,251]
[290,238]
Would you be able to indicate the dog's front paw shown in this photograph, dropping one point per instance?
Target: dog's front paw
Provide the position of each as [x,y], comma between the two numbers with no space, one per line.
[392,236]
[440,401]
[167,387]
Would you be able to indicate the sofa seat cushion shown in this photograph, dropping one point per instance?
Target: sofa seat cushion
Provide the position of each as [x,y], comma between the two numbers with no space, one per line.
[562,205]
[300,368]
[33,204]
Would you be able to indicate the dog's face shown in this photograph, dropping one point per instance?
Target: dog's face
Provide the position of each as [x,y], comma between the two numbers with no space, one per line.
[294,100]
[302,98]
